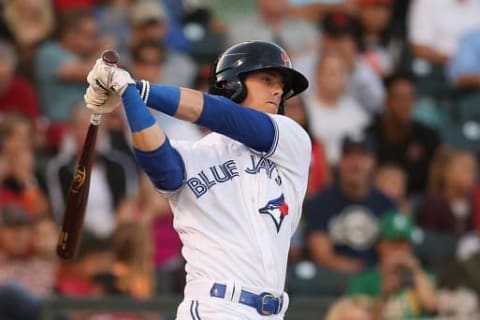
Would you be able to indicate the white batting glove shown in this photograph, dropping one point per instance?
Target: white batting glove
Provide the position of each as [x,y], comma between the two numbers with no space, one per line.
[99,100]
[109,77]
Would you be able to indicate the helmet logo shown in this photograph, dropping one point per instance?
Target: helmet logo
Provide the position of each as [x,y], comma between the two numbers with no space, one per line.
[285,58]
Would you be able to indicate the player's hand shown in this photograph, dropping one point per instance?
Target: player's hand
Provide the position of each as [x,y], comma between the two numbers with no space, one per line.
[99,100]
[109,77]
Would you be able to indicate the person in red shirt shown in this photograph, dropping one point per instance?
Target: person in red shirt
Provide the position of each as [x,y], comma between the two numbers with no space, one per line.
[17,95]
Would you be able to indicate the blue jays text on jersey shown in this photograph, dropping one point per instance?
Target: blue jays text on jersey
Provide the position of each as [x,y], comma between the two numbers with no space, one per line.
[205,179]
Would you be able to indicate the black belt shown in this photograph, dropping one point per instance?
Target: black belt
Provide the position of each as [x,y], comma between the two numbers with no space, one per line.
[265,303]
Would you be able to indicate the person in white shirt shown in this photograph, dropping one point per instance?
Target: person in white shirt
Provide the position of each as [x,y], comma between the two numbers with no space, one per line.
[237,193]
[332,112]
[272,22]
[436,26]
[338,36]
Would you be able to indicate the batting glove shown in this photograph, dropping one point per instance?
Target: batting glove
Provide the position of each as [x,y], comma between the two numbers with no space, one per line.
[109,77]
[99,100]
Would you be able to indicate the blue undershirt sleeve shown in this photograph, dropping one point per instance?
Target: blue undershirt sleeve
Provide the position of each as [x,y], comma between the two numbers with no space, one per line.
[164,165]
[159,97]
[253,128]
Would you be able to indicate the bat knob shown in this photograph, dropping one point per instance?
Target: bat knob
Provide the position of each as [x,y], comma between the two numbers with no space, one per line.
[110,57]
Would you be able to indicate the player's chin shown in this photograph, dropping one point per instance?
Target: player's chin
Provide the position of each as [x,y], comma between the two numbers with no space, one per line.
[270,107]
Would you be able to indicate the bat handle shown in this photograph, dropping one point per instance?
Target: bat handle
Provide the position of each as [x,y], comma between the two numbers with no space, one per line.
[111,58]
[95,118]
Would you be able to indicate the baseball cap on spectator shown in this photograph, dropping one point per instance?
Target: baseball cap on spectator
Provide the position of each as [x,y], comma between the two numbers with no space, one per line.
[396,226]
[147,12]
[13,215]
[358,142]
[338,23]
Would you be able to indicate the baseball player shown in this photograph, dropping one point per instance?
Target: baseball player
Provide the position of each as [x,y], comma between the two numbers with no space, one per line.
[236,194]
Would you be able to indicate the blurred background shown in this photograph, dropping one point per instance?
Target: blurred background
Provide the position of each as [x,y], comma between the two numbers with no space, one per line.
[391,221]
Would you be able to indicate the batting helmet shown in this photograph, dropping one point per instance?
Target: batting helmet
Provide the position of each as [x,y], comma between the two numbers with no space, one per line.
[228,72]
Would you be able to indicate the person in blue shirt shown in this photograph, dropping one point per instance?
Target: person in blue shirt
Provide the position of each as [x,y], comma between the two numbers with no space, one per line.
[463,69]
[342,220]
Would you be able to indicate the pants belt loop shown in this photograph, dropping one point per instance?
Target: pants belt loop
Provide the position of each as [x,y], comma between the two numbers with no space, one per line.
[229,290]
[285,302]
[237,291]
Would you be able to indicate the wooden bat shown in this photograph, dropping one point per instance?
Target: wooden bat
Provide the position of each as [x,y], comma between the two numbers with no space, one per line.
[78,194]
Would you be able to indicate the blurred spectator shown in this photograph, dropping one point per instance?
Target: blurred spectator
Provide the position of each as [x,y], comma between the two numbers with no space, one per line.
[63,6]
[319,174]
[271,22]
[400,139]
[148,22]
[19,184]
[342,220]
[333,114]
[206,34]
[5,33]
[314,10]
[62,65]
[459,287]
[116,132]
[113,177]
[113,23]
[375,39]
[350,308]
[464,67]
[436,26]
[392,181]
[401,288]
[339,36]
[133,267]
[18,303]
[448,208]
[16,94]
[77,277]
[31,22]
[18,264]
[45,233]
[152,62]
[150,209]
[458,303]
[435,29]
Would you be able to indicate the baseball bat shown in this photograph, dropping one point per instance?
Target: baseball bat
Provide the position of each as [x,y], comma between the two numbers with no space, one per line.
[78,194]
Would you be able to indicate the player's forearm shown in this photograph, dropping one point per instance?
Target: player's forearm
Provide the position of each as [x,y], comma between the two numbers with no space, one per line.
[152,149]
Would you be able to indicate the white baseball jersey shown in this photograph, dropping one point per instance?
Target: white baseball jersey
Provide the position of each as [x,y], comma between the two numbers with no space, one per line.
[239,208]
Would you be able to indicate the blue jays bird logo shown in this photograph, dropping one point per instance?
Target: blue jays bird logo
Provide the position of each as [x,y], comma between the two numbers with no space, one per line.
[277,209]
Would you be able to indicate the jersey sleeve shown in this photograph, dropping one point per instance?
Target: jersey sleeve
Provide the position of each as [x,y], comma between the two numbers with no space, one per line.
[291,152]
[291,148]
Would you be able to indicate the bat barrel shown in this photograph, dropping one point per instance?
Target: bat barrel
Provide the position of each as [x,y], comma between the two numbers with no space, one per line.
[77,199]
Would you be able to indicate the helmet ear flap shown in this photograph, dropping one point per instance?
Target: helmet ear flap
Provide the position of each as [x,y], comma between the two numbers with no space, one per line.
[240,92]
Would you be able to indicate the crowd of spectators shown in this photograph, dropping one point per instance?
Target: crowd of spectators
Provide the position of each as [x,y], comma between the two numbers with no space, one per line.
[391,221]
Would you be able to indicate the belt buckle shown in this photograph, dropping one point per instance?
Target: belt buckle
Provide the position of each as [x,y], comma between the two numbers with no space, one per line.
[264,300]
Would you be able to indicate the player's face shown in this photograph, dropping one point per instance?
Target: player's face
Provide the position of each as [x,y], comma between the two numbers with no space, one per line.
[264,91]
